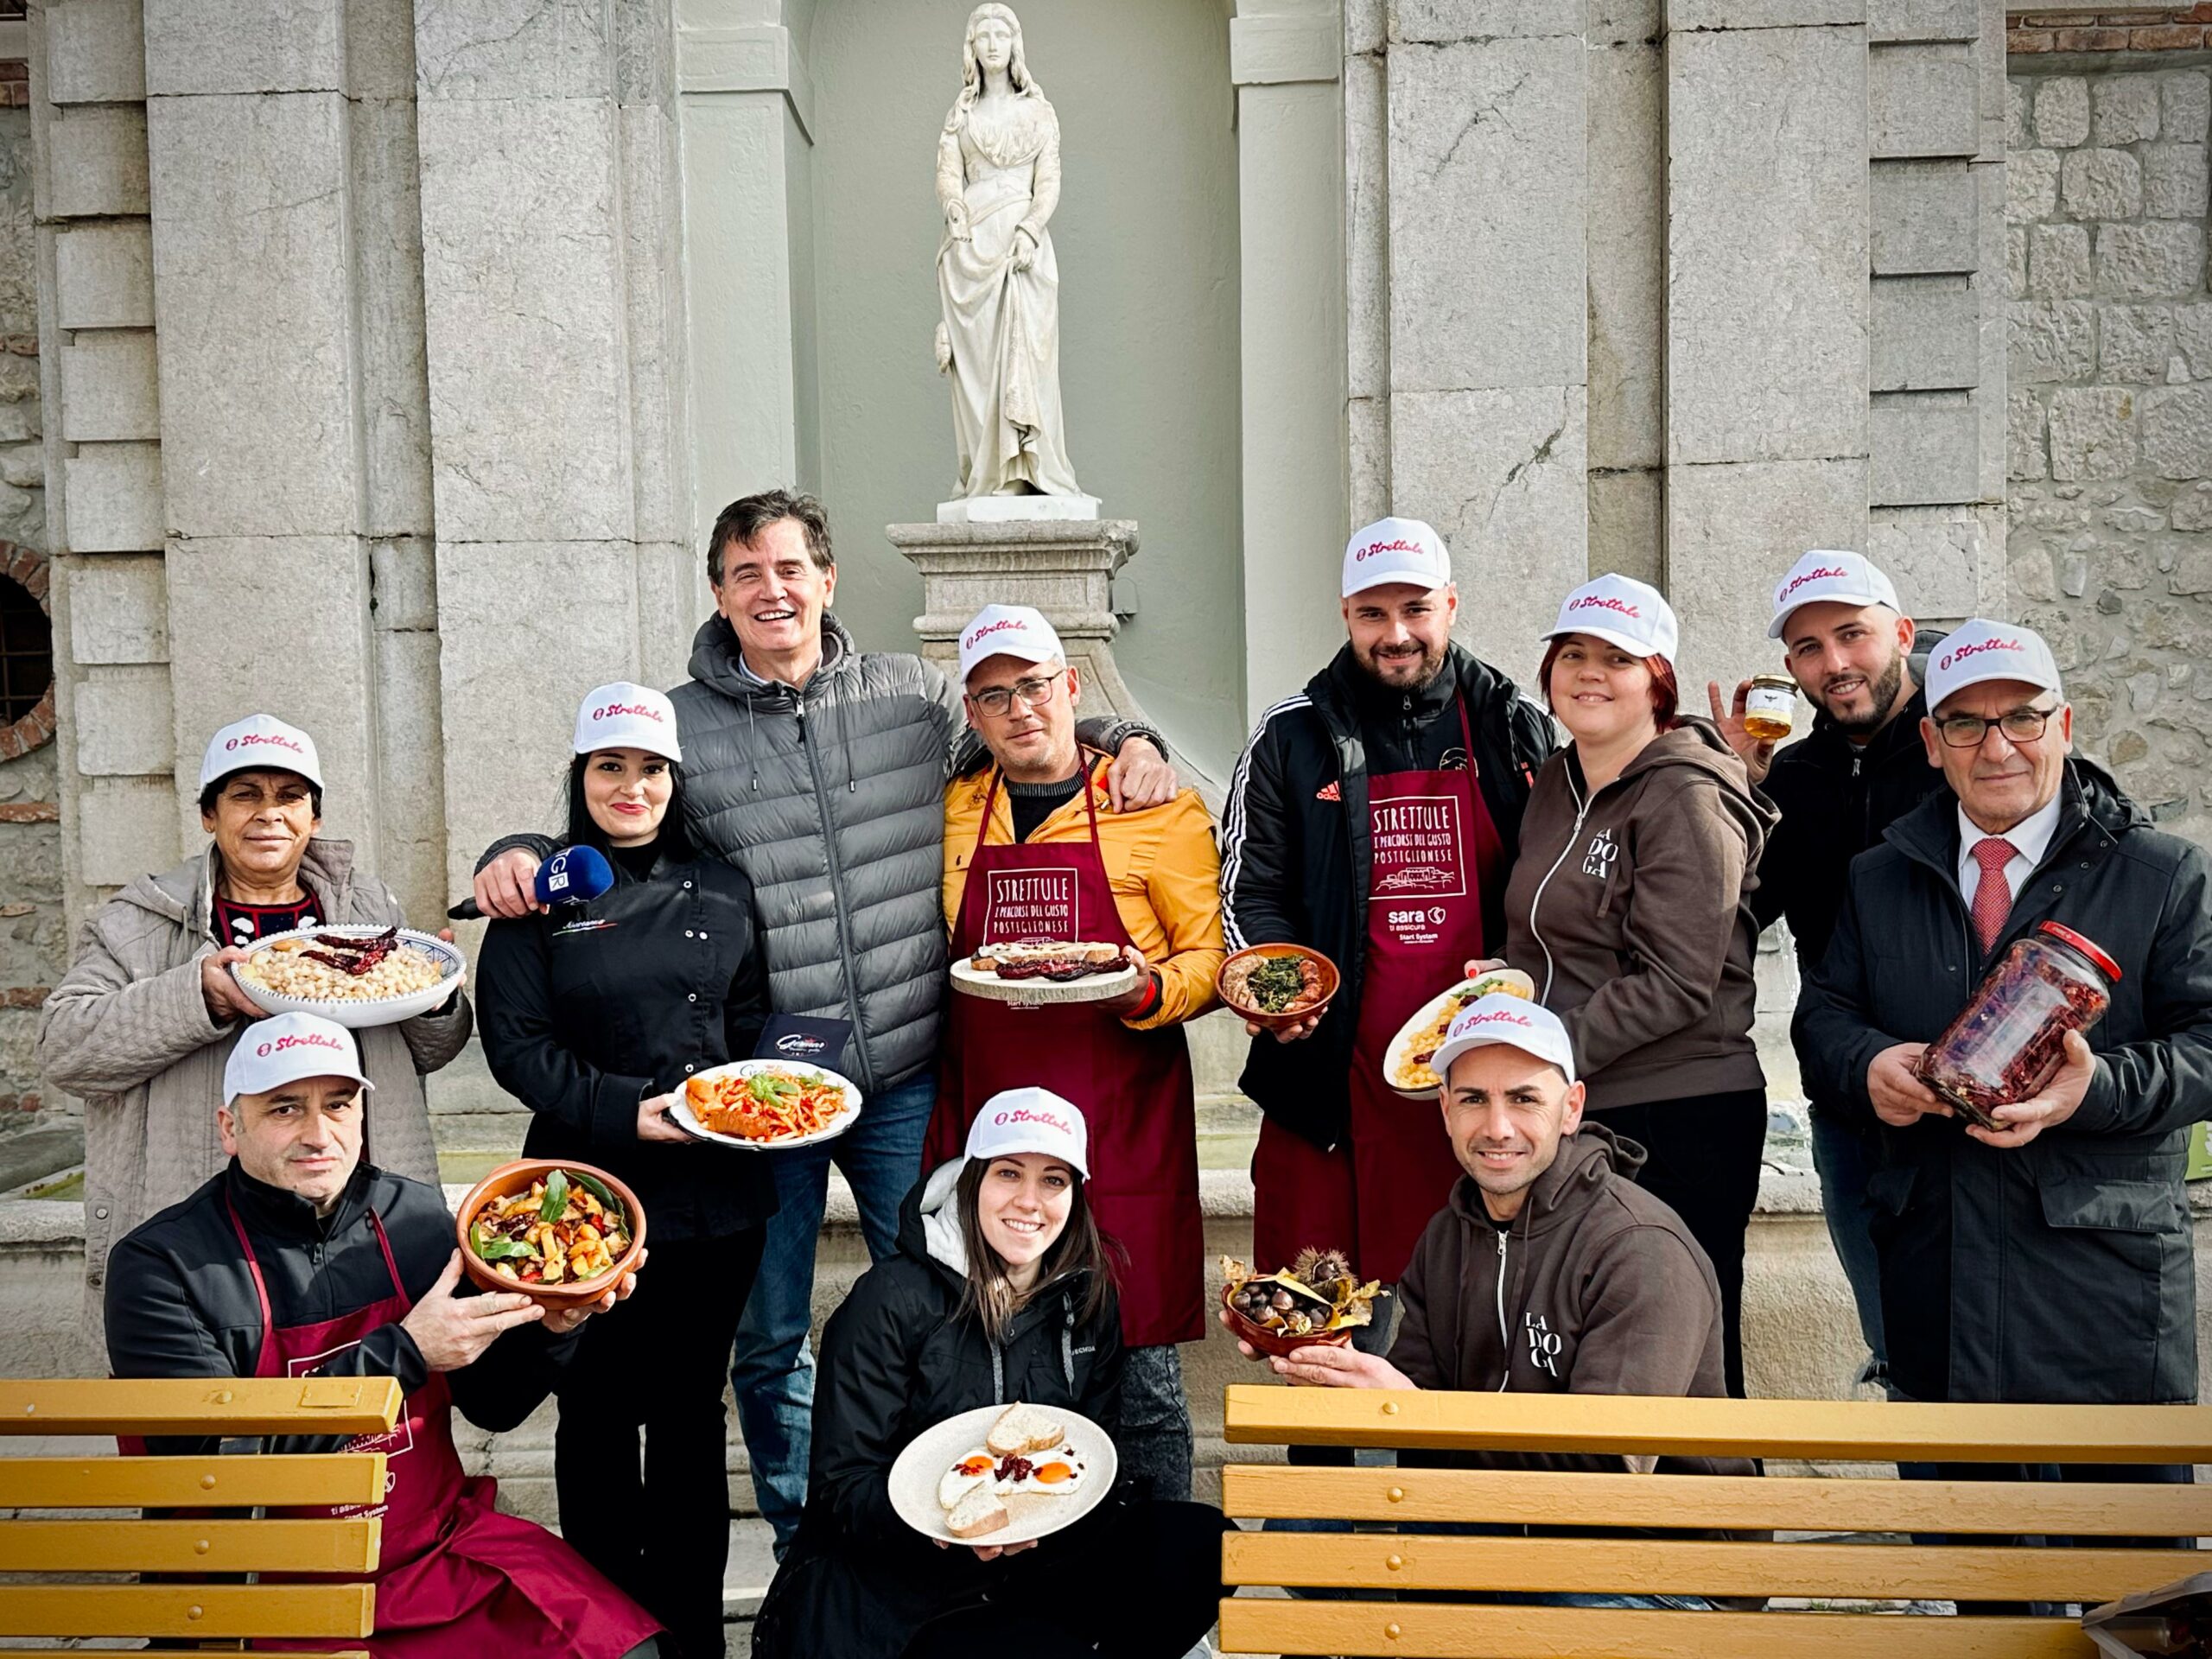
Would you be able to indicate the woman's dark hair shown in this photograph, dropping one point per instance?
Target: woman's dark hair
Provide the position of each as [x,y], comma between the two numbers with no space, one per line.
[583,830]
[1666,690]
[1081,1247]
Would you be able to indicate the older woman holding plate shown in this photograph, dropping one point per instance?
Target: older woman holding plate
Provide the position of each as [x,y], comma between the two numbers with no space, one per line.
[593,1014]
[142,1023]
[1001,1293]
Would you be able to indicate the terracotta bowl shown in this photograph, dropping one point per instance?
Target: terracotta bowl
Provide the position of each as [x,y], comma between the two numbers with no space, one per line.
[511,1179]
[1331,980]
[1273,1342]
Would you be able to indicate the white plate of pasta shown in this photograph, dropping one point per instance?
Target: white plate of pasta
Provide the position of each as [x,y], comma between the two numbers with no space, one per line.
[766,1105]
[351,974]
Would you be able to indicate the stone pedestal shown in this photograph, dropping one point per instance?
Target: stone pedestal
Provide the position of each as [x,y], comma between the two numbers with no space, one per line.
[1010,509]
[1064,567]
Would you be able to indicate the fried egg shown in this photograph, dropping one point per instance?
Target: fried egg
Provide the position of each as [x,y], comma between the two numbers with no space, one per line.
[970,1471]
[1052,1474]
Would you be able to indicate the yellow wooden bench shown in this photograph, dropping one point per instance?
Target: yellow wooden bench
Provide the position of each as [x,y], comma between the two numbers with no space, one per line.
[1415,1566]
[58,1576]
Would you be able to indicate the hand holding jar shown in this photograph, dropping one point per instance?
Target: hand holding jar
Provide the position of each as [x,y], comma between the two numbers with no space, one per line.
[1752,727]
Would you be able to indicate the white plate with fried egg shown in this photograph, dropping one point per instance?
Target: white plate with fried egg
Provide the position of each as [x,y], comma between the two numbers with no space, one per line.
[952,1471]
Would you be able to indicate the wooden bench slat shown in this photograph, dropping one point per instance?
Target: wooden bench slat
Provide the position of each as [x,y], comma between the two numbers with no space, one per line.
[1625,1424]
[274,1546]
[1796,1504]
[199,1406]
[1433,1631]
[276,1481]
[1650,1567]
[203,1611]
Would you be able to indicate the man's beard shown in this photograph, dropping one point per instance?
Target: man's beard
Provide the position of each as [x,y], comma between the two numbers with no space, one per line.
[1884,693]
[1381,668]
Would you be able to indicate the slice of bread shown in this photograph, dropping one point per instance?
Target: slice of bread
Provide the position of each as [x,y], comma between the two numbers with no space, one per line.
[1024,1428]
[977,1512]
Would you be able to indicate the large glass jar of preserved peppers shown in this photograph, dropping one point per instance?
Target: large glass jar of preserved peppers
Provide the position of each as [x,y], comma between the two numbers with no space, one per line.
[2009,1039]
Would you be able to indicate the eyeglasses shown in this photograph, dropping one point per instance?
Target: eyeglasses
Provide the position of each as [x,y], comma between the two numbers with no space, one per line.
[2019,726]
[1036,691]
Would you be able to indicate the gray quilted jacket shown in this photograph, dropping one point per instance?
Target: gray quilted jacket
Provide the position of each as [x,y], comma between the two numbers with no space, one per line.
[831,799]
[128,1032]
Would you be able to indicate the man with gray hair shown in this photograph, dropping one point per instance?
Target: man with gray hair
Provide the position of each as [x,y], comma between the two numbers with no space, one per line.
[2046,1256]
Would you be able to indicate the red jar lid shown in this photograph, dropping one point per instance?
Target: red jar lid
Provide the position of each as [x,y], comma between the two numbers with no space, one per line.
[2106,965]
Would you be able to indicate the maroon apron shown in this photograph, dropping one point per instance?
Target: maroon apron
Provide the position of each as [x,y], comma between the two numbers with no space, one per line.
[1134,1087]
[459,1580]
[1433,850]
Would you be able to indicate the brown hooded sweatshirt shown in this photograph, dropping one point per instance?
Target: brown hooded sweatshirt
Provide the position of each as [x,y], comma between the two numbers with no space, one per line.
[1631,911]
[1597,1287]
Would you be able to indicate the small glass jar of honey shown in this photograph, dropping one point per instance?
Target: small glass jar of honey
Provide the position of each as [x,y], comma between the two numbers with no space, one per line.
[1770,708]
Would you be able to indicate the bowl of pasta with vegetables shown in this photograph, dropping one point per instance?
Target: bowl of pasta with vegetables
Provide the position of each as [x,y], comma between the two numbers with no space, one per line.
[559,1232]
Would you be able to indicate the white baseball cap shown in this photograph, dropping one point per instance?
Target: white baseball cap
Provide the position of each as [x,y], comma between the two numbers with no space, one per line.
[1031,1120]
[260,743]
[1978,649]
[1007,630]
[1513,1021]
[626,717]
[1624,612]
[1395,549]
[283,1050]
[1825,575]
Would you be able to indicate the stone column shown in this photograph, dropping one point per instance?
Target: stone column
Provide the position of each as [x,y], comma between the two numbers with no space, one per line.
[117,791]
[1766,389]
[748,120]
[1488,307]
[281,139]
[1935,130]
[559,468]
[1286,57]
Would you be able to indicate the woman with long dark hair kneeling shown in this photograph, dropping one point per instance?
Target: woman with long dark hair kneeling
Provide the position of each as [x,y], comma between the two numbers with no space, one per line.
[1002,1291]
[592,1016]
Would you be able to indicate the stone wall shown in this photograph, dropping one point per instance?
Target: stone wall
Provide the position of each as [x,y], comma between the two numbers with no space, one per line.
[32,928]
[2110,408]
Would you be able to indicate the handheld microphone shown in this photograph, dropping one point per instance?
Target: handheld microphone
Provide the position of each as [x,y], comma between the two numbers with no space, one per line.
[570,877]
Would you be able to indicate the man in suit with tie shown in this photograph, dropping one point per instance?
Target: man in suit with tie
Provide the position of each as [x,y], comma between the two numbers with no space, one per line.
[2047,1258]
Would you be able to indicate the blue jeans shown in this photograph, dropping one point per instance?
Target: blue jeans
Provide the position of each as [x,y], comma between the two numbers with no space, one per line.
[1845,1159]
[772,1367]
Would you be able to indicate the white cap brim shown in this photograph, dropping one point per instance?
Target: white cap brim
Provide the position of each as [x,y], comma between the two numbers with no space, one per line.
[1773,628]
[1424,580]
[1629,643]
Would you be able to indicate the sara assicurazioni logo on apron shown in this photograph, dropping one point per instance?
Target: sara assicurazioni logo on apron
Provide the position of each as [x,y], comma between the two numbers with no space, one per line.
[1031,904]
[1420,862]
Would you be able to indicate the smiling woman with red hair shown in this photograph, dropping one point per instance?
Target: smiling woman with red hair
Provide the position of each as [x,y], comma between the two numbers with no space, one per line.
[1628,905]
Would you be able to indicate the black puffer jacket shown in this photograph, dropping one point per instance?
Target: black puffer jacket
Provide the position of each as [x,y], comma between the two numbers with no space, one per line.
[1295,841]
[587,1010]
[2060,1271]
[897,1358]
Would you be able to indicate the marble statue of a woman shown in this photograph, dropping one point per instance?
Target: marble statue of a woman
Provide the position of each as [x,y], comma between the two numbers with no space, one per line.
[998,180]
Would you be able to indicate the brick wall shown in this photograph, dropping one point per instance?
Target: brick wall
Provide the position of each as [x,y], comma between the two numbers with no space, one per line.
[2109,425]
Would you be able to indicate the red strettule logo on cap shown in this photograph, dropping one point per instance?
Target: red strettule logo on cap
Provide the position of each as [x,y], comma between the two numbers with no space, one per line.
[1004,625]
[1975,648]
[250,739]
[1401,545]
[307,1039]
[1023,1115]
[1604,602]
[1495,1016]
[1825,573]
[614,708]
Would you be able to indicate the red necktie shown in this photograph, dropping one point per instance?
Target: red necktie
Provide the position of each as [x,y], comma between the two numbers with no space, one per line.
[1993,899]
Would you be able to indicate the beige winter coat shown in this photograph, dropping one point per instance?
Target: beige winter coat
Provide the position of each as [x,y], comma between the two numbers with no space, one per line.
[128,1031]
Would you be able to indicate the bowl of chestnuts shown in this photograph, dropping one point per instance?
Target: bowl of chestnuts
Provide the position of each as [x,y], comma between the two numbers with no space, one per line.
[1317,1299]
